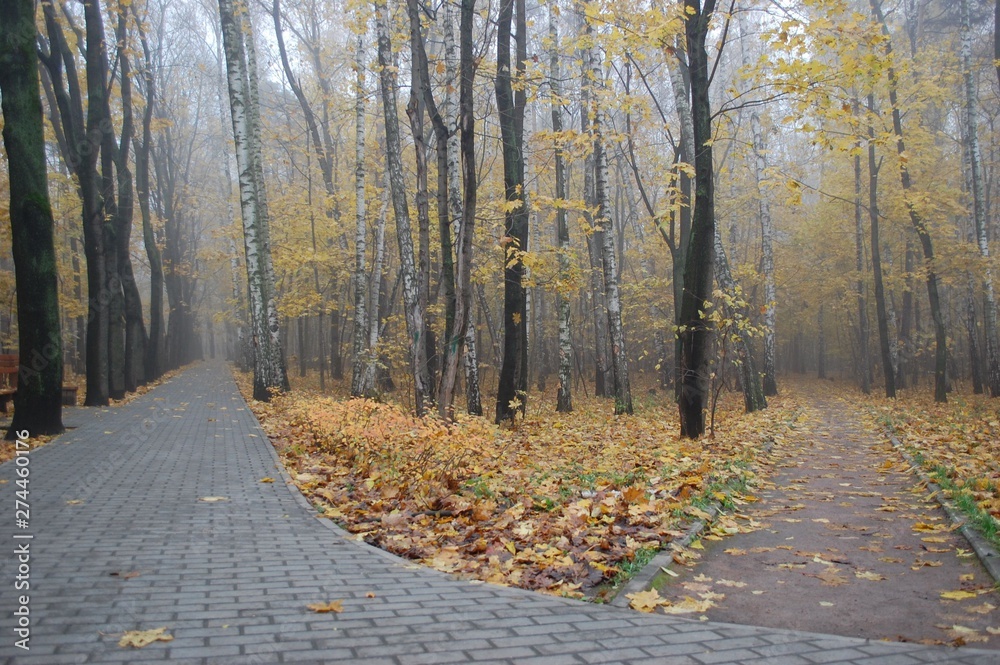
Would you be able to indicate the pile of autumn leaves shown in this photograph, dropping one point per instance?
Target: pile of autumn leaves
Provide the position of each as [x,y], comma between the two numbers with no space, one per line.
[559,502]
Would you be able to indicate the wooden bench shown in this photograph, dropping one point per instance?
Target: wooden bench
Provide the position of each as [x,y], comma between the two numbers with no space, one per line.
[8,379]
[9,370]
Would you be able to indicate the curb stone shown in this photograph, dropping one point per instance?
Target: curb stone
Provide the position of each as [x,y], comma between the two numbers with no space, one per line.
[987,554]
[652,574]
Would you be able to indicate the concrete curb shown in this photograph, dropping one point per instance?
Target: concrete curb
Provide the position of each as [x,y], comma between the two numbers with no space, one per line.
[987,554]
[652,575]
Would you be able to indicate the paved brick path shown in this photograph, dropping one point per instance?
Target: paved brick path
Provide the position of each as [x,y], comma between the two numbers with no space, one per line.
[231,579]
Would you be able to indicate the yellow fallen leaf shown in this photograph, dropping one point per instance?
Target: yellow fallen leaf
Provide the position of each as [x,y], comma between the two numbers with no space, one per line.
[868,575]
[967,578]
[993,631]
[332,606]
[963,634]
[688,606]
[934,539]
[985,608]
[923,527]
[696,545]
[824,603]
[140,638]
[735,551]
[958,595]
[645,601]
[731,583]
[213,499]
[268,479]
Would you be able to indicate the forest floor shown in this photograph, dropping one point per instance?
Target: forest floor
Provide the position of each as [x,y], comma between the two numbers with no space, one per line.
[825,526]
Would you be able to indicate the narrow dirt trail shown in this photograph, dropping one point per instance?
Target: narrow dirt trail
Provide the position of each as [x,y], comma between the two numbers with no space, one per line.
[847,541]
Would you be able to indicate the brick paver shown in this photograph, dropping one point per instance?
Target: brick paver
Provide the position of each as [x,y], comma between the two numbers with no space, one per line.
[120,494]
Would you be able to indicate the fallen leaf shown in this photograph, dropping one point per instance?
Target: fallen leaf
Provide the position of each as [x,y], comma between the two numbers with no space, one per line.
[688,606]
[963,634]
[958,595]
[735,551]
[731,583]
[213,499]
[336,606]
[985,608]
[268,479]
[831,577]
[868,575]
[140,638]
[825,603]
[645,601]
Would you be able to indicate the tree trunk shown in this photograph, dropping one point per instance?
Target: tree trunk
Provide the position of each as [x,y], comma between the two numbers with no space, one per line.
[460,334]
[595,236]
[753,393]
[888,367]
[153,361]
[971,329]
[767,255]
[564,396]
[975,159]
[135,329]
[269,363]
[864,357]
[394,166]
[362,379]
[38,401]
[512,389]
[930,268]
[699,263]
[83,139]
[612,297]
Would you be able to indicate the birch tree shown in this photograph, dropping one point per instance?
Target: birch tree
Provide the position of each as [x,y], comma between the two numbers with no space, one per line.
[564,395]
[974,156]
[363,371]
[269,363]
[422,389]
[612,296]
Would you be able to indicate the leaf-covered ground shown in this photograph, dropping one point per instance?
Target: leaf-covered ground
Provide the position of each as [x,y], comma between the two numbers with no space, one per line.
[563,503]
[958,443]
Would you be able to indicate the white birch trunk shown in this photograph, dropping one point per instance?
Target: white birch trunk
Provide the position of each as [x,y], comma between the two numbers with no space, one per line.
[979,205]
[612,296]
[269,367]
[362,381]
[404,237]
[767,255]
[564,398]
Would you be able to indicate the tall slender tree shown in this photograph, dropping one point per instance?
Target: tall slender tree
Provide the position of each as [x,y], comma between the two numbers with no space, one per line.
[564,396]
[422,388]
[512,390]
[269,362]
[38,401]
[916,220]
[699,263]
[974,157]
